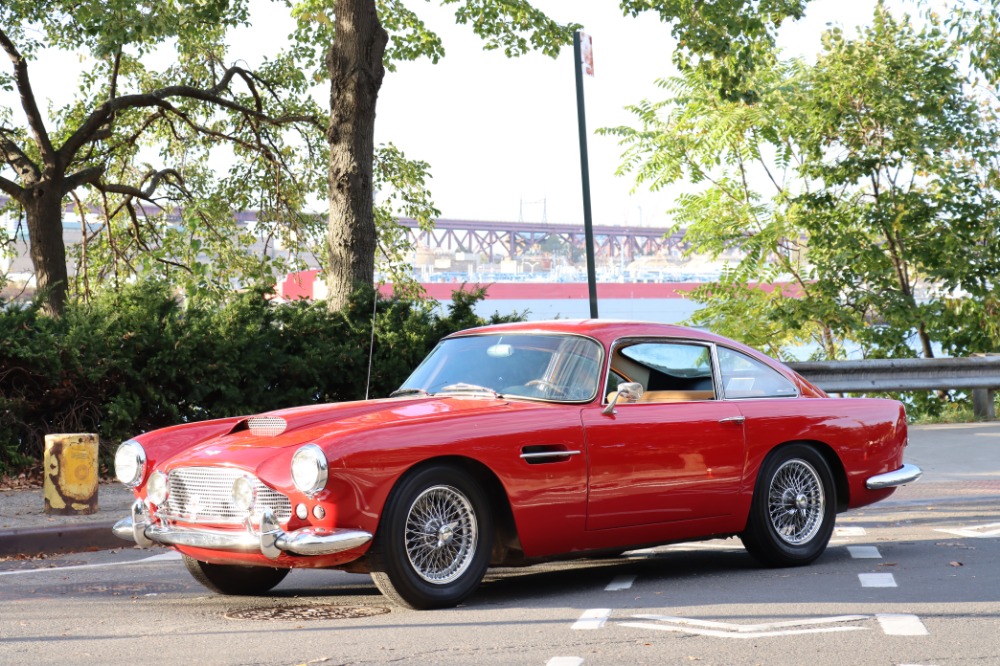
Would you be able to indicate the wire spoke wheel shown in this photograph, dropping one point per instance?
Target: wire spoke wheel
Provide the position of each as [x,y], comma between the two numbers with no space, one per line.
[793,509]
[795,502]
[441,534]
[435,539]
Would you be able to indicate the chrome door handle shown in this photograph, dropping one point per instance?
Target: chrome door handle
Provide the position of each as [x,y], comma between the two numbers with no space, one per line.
[733,419]
[539,455]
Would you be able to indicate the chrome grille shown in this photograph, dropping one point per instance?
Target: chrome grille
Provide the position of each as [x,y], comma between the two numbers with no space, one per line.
[204,495]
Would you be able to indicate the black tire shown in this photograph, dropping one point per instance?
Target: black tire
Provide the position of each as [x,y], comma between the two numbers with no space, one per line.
[434,541]
[793,509]
[234,579]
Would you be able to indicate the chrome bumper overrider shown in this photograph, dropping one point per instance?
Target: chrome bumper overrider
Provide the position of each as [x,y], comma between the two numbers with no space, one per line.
[903,475]
[270,540]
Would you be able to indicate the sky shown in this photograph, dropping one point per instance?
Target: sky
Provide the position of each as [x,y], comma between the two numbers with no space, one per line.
[501,134]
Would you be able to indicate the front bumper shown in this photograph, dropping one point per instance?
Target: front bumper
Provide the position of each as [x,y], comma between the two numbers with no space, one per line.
[905,474]
[270,540]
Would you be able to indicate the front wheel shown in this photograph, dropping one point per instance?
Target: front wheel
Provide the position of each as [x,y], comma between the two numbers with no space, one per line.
[233,578]
[434,541]
[793,509]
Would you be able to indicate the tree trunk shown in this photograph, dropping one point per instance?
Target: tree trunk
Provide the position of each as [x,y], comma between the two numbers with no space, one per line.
[354,62]
[43,208]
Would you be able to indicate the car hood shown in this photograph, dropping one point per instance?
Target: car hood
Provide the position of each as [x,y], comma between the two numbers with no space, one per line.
[253,441]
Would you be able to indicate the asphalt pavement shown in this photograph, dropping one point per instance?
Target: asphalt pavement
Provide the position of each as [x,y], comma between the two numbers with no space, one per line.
[956,459]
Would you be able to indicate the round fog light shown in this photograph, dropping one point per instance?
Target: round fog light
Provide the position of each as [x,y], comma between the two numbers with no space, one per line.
[301,511]
[319,512]
[156,488]
[244,494]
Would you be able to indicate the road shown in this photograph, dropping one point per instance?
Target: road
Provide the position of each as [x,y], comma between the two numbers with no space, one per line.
[913,580]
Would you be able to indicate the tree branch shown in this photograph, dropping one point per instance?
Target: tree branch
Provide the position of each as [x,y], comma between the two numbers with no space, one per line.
[15,157]
[11,188]
[28,102]
[159,98]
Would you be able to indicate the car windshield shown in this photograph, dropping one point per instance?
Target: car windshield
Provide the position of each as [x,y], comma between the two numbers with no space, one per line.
[563,368]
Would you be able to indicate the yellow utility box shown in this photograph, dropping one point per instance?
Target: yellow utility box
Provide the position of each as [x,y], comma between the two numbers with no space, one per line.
[70,483]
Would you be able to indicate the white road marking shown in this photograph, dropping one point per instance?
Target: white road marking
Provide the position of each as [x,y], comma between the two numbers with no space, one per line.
[849,531]
[877,580]
[978,532]
[900,624]
[564,661]
[864,552]
[163,557]
[620,583]
[729,630]
[593,618]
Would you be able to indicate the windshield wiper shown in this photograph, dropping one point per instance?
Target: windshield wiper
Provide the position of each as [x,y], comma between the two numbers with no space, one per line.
[408,391]
[462,387]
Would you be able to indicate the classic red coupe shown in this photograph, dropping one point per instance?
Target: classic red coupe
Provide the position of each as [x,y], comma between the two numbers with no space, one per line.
[518,443]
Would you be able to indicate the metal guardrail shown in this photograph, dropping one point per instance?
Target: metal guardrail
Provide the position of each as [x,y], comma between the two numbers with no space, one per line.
[980,374]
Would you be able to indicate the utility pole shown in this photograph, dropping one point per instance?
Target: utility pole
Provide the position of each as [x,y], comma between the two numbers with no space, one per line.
[588,222]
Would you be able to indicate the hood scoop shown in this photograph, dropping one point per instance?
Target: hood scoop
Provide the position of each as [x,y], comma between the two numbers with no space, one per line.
[261,426]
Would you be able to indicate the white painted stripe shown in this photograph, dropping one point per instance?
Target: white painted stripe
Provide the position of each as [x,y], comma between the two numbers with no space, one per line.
[620,583]
[564,661]
[976,532]
[864,552]
[899,624]
[163,557]
[849,531]
[877,580]
[754,628]
[593,618]
[737,634]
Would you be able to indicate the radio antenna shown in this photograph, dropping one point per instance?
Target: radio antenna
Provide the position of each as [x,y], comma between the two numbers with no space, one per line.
[371,344]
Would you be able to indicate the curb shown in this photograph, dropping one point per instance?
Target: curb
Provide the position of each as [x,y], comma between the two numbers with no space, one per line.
[59,539]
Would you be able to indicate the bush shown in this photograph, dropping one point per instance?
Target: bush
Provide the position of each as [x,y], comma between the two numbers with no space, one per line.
[138,360]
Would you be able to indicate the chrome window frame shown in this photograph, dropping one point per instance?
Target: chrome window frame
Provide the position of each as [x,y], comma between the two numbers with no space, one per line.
[718,385]
[552,334]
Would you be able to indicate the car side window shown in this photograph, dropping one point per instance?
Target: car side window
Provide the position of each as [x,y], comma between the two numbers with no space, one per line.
[670,371]
[746,377]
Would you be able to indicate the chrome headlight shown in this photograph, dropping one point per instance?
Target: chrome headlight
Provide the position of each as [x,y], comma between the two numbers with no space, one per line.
[130,463]
[309,469]
[156,488]
[244,494]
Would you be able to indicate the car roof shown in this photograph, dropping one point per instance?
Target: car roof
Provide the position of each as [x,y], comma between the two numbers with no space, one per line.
[605,330]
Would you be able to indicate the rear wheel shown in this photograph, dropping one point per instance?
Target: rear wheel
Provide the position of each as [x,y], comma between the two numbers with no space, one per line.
[793,509]
[434,540]
[234,579]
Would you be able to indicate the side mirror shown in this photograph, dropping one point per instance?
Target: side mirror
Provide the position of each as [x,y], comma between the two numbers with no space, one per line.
[631,391]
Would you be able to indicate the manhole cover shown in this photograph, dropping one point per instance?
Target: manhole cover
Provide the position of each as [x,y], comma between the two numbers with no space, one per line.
[307,613]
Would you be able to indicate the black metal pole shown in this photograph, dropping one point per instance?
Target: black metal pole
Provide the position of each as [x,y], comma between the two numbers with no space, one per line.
[588,223]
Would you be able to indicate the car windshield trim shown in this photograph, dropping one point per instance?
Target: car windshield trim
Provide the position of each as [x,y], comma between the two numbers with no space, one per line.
[535,365]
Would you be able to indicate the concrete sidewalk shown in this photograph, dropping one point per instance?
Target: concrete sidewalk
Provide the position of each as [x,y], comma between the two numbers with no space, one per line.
[957,459]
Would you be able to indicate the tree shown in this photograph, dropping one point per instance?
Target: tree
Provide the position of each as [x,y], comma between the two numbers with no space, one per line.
[860,179]
[96,142]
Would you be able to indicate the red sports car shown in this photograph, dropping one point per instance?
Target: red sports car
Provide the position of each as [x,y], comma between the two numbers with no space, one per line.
[516,443]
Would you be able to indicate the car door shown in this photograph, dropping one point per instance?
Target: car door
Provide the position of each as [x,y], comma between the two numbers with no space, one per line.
[677,453]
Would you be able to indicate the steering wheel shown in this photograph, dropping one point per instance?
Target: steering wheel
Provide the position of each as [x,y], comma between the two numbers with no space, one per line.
[546,385]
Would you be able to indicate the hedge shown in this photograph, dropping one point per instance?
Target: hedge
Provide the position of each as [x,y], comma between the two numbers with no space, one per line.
[139,359]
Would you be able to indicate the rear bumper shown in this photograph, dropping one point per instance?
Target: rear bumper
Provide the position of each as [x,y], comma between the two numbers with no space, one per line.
[270,540]
[905,474]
